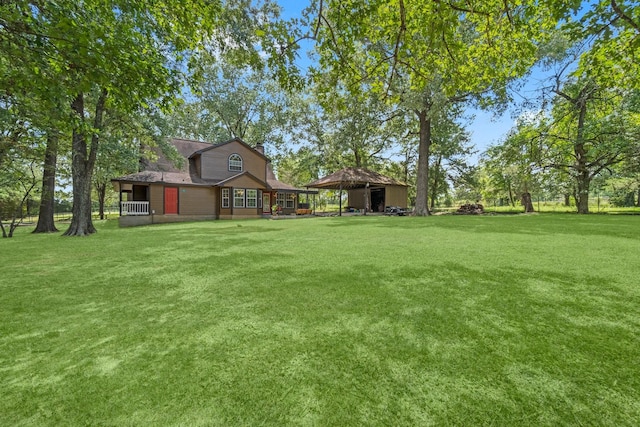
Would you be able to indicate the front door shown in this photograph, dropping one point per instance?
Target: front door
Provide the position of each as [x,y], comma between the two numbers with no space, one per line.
[170,200]
[266,203]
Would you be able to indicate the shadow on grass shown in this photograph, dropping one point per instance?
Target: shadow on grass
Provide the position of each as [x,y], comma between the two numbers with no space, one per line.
[538,224]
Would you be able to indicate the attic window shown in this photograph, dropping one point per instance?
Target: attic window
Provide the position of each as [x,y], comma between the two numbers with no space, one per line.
[235,163]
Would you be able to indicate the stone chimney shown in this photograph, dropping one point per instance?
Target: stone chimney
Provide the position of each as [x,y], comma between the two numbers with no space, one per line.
[259,148]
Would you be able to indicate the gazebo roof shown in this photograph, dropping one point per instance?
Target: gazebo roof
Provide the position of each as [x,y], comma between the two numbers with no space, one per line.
[353,178]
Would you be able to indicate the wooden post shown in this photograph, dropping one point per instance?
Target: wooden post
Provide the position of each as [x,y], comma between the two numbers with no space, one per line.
[340,200]
[366,198]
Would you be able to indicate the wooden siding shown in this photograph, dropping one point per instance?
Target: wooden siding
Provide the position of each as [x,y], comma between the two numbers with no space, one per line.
[396,195]
[197,200]
[215,162]
[356,198]
[156,199]
[243,182]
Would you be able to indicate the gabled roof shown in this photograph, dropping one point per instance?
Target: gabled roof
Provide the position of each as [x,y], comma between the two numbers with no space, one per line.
[245,173]
[353,178]
[212,146]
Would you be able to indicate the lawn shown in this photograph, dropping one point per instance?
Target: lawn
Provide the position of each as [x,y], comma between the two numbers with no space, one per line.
[450,320]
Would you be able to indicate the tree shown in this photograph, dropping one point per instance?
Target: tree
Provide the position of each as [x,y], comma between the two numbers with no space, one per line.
[46,222]
[233,101]
[590,129]
[512,164]
[125,140]
[612,28]
[424,56]
[450,150]
[333,130]
[18,171]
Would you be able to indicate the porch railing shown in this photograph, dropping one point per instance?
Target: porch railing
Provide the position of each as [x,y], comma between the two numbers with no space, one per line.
[135,208]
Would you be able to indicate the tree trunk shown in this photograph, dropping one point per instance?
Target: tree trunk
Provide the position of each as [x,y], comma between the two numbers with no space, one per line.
[512,201]
[567,199]
[583,177]
[46,223]
[436,182]
[638,202]
[366,198]
[527,202]
[422,179]
[582,196]
[83,162]
[101,189]
[358,158]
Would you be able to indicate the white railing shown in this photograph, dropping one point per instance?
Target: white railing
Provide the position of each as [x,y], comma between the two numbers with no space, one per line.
[135,208]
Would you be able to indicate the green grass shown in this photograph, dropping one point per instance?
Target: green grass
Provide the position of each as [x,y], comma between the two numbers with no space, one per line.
[450,320]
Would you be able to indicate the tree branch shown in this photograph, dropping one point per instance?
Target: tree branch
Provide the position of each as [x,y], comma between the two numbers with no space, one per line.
[396,50]
[621,14]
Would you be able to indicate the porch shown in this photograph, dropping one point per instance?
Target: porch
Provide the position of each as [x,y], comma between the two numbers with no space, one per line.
[134,208]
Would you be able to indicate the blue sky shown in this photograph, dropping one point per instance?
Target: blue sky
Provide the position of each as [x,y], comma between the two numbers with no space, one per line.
[486,128]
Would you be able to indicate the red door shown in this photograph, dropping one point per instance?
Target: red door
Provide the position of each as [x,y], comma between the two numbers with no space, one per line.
[170,200]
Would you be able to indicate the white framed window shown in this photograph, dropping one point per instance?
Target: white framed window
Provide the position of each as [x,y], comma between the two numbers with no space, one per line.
[280,199]
[225,197]
[291,200]
[260,198]
[235,163]
[252,198]
[238,197]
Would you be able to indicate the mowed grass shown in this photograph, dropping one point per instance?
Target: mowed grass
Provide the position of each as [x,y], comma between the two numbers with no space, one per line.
[495,320]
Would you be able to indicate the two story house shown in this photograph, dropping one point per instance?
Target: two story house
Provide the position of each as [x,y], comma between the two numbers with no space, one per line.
[229,180]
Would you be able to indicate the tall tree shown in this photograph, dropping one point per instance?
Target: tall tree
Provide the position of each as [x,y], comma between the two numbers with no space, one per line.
[19,155]
[425,55]
[590,129]
[233,101]
[512,165]
[46,212]
[451,148]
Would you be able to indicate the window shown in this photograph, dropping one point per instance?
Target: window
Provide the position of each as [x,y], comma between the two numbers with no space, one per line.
[280,199]
[252,198]
[291,200]
[225,197]
[238,198]
[235,163]
[260,198]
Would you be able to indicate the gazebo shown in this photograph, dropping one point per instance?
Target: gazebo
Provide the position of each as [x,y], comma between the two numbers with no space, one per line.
[367,190]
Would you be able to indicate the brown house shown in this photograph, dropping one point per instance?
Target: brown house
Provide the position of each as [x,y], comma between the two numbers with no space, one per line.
[229,180]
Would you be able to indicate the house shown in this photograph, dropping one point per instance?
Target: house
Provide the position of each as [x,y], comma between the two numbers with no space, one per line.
[365,189]
[229,180]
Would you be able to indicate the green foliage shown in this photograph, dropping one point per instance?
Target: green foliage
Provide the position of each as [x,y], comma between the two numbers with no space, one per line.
[232,101]
[83,59]
[425,56]
[613,29]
